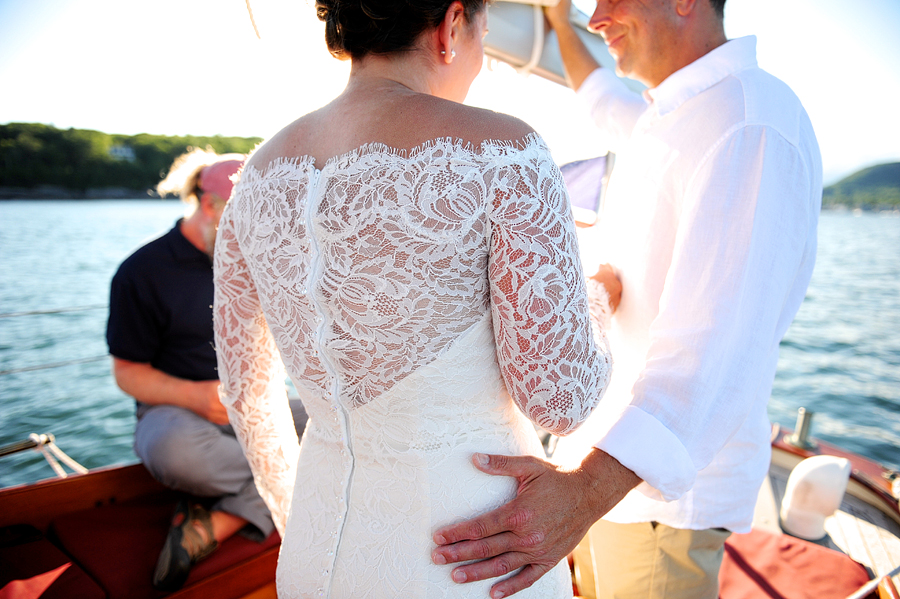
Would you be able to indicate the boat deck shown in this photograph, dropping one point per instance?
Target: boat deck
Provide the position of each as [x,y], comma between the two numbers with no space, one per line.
[858,529]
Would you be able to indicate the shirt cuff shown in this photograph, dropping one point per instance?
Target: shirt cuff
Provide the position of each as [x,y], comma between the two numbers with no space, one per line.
[601,81]
[645,446]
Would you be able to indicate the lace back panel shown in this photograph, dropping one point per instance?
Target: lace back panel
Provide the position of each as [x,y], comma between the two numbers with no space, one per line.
[369,269]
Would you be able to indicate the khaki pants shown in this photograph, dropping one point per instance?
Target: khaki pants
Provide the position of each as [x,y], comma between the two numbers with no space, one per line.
[649,561]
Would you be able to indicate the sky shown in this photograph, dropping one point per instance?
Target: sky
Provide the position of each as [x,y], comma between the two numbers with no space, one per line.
[177,67]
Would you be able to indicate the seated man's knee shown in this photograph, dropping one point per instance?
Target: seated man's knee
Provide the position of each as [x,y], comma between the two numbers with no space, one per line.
[178,458]
[171,459]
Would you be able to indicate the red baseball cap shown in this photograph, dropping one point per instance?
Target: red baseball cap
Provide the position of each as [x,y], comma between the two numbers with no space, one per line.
[217,177]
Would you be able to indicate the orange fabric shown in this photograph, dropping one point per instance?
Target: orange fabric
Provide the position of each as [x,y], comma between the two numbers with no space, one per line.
[31,568]
[34,587]
[763,565]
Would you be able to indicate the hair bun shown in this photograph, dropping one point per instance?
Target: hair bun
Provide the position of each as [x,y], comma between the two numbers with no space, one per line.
[324,9]
[355,28]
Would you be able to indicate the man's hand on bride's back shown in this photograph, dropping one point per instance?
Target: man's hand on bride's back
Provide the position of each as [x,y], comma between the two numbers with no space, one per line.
[606,276]
[550,514]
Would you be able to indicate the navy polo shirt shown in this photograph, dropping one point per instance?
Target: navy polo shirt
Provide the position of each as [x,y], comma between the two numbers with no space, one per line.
[160,308]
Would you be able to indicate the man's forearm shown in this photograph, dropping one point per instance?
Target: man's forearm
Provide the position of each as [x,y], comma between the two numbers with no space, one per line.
[577,61]
[610,481]
[154,387]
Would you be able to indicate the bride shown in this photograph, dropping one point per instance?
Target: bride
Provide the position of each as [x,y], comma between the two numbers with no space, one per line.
[412,262]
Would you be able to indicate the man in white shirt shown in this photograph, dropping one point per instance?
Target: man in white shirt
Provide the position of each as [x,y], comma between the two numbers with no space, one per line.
[710,222]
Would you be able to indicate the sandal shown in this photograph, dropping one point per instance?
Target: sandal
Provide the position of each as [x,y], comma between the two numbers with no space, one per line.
[184,546]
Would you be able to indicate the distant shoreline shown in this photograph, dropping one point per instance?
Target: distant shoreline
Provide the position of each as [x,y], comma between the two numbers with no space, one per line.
[848,208]
[53,192]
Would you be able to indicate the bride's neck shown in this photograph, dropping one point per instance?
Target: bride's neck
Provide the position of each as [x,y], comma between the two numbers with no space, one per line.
[402,73]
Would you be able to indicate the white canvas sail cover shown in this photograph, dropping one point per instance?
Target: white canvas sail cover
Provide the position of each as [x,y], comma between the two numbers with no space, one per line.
[518,36]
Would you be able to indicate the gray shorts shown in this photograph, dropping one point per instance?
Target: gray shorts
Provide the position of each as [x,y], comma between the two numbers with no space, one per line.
[188,453]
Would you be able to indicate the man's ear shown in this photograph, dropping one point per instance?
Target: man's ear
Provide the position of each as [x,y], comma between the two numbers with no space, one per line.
[685,7]
[207,203]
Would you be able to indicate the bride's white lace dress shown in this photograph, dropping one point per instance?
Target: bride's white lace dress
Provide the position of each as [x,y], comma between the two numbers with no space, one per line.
[423,303]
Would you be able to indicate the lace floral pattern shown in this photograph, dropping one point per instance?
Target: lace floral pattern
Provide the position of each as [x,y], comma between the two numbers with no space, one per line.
[362,277]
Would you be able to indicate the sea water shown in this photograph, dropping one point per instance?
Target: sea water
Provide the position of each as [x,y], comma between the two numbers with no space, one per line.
[840,359]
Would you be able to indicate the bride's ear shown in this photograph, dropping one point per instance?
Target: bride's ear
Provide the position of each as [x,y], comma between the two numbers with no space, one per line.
[450,30]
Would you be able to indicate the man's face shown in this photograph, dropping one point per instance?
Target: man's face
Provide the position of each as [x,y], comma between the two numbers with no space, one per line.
[211,227]
[642,35]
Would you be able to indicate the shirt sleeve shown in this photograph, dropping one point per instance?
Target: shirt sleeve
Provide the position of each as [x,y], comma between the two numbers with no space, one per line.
[745,238]
[614,108]
[252,376]
[133,331]
[554,357]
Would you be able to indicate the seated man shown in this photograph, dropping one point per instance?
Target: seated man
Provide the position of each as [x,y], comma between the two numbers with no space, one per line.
[160,337]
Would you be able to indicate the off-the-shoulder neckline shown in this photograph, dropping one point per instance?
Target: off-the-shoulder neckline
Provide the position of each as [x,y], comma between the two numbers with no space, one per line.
[491,147]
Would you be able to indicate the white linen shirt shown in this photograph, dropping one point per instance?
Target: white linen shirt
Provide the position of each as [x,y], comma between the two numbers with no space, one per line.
[710,221]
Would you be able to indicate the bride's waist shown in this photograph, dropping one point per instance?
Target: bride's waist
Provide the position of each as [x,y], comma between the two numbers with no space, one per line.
[411,484]
[504,432]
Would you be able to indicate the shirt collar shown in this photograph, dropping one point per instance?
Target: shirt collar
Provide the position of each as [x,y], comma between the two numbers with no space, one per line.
[182,249]
[731,57]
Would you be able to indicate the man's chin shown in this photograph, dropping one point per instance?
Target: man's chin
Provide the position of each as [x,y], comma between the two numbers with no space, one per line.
[622,69]
[625,71]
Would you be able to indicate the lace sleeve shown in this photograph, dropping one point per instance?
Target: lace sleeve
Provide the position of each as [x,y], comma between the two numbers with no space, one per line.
[601,310]
[552,351]
[252,376]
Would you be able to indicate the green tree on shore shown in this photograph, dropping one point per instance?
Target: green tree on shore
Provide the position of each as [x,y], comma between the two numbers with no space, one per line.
[873,188]
[32,155]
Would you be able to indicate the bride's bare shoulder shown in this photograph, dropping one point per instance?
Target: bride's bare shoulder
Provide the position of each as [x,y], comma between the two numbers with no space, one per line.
[477,125]
[347,124]
[291,141]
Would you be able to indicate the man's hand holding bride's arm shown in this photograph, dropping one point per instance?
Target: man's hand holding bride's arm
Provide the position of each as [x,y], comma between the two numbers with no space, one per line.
[606,276]
[552,511]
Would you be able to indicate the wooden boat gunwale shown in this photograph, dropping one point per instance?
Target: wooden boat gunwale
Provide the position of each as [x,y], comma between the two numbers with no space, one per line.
[38,504]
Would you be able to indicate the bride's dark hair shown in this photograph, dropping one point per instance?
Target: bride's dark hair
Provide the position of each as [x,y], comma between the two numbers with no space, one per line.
[355,28]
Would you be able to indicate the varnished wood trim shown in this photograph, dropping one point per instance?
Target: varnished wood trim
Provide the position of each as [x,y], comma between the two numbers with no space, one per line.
[39,503]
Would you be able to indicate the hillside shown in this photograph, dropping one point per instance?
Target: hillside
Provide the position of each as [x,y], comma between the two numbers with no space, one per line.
[41,161]
[873,188]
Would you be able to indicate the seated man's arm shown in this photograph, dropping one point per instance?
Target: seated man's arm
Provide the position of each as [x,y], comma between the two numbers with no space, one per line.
[154,387]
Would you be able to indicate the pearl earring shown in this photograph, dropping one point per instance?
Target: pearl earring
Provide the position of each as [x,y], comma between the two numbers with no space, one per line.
[452,54]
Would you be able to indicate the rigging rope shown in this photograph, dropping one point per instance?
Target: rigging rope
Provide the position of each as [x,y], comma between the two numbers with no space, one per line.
[54,365]
[252,20]
[52,453]
[55,311]
[46,446]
